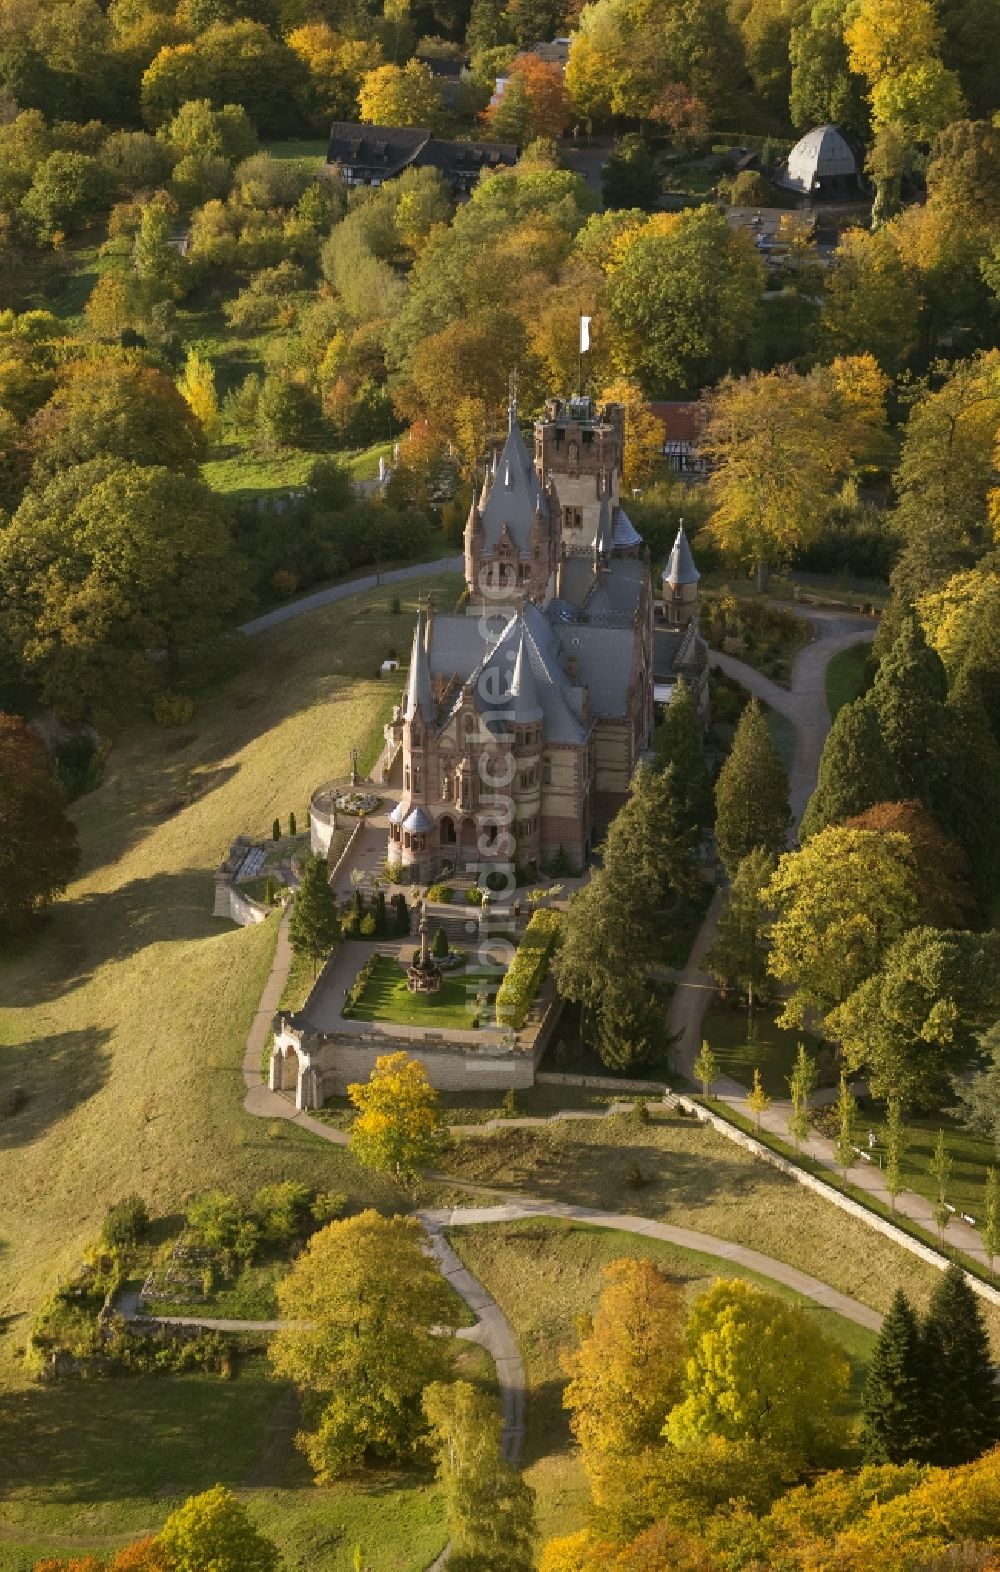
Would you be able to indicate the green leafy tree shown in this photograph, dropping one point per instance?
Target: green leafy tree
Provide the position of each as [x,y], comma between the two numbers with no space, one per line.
[895,1149]
[364,1303]
[706,1068]
[738,958]
[893,1425]
[751,793]
[847,1118]
[680,741]
[399,1128]
[824,90]
[214,1530]
[683,300]
[314,926]
[968,1423]
[941,1167]
[157,263]
[289,414]
[106,564]
[632,177]
[490,1507]
[872,303]
[115,409]
[913,1024]
[759,1370]
[66,189]
[840,902]
[38,846]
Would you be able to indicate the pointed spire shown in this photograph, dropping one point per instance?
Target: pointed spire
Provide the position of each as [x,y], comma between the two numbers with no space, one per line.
[419,688]
[524,707]
[605,538]
[681,569]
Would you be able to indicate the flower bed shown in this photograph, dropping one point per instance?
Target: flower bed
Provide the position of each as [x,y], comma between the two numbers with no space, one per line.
[356,802]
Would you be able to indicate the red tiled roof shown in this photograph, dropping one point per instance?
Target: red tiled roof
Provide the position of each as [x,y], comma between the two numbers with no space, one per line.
[682,421]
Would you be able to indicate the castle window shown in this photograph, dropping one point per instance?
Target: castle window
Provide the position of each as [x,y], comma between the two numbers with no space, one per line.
[546,773]
[406,778]
[416,777]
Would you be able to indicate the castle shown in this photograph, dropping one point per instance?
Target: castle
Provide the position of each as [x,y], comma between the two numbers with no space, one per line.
[523,719]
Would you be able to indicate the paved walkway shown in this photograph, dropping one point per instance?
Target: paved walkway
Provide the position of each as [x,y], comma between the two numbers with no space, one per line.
[335,592]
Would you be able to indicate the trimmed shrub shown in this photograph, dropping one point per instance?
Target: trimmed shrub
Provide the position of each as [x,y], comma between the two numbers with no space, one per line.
[474,896]
[524,977]
[559,864]
[282,1212]
[291,825]
[441,894]
[368,925]
[380,923]
[276,830]
[268,892]
[439,945]
[402,921]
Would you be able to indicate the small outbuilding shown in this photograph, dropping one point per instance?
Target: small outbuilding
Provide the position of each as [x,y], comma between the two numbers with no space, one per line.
[822,163]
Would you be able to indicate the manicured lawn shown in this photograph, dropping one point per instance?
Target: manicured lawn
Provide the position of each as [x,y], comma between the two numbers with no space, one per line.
[387,998]
[972,1155]
[95,1465]
[772,1050]
[544,1274]
[847,676]
[699,1179]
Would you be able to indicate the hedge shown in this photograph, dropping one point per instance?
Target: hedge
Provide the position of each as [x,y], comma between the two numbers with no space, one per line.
[524,977]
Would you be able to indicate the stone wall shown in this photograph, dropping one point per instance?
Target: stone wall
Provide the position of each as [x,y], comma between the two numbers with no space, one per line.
[230,901]
[881,1225]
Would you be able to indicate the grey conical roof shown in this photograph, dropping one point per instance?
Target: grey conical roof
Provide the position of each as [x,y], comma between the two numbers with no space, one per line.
[419,688]
[681,569]
[523,707]
[515,494]
[604,540]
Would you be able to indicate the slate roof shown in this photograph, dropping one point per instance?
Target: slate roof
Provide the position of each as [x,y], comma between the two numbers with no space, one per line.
[418,822]
[625,532]
[419,688]
[824,153]
[515,493]
[604,663]
[681,569]
[385,151]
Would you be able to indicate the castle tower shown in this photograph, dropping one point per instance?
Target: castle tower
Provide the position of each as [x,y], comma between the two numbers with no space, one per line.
[680,583]
[511,536]
[579,447]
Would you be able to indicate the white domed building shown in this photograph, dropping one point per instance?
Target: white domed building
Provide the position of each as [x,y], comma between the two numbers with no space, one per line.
[822,163]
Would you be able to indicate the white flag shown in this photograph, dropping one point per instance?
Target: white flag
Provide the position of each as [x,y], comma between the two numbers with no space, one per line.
[585,334]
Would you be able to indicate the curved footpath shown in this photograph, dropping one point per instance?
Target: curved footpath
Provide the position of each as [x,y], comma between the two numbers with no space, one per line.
[335,592]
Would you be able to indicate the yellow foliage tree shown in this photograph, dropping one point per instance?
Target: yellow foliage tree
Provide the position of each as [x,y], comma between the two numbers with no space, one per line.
[625,1375]
[336,67]
[643,433]
[196,385]
[759,1370]
[964,615]
[399,1128]
[400,96]
[885,37]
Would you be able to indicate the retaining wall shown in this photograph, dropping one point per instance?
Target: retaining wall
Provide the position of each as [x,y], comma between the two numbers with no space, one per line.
[881,1225]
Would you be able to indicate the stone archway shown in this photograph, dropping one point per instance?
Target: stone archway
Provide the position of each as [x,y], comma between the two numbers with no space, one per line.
[289,1079]
[447,831]
[468,836]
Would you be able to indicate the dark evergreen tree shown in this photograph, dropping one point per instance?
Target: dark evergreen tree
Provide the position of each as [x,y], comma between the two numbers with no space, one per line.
[630,1025]
[908,697]
[681,742]
[893,1411]
[632,175]
[751,794]
[967,789]
[313,927]
[855,770]
[738,958]
[968,1415]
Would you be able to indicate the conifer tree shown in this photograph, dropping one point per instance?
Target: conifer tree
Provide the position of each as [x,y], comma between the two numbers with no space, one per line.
[895,1147]
[908,697]
[314,927]
[681,743]
[892,1407]
[738,958]
[968,1420]
[751,794]
[855,770]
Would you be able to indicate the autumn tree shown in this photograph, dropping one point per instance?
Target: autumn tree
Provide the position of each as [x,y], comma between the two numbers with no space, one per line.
[872,303]
[489,1505]
[399,1128]
[114,408]
[823,88]
[392,95]
[196,386]
[314,926]
[626,52]
[940,865]
[643,452]
[751,793]
[337,65]
[779,444]
[363,1306]
[855,770]
[534,102]
[840,903]
[215,1530]
[738,958]
[38,846]
[625,1376]
[758,1369]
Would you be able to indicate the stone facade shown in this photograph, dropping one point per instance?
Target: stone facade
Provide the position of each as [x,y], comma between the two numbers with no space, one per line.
[523,720]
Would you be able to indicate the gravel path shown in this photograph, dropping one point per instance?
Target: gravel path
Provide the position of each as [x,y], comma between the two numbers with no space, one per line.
[335,592]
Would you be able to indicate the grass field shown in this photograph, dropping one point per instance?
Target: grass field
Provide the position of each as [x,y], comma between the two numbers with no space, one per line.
[544,1273]
[971,1155]
[697,1178]
[772,1050]
[387,998]
[847,676]
[124,1017]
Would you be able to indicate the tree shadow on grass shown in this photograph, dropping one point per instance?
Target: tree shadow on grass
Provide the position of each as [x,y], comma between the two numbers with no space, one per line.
[55,1075]
[64,948]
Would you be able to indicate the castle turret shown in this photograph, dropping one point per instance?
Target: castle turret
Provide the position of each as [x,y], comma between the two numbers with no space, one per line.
[680,583]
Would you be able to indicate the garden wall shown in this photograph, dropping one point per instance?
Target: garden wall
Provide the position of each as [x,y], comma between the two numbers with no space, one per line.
[809,1181]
